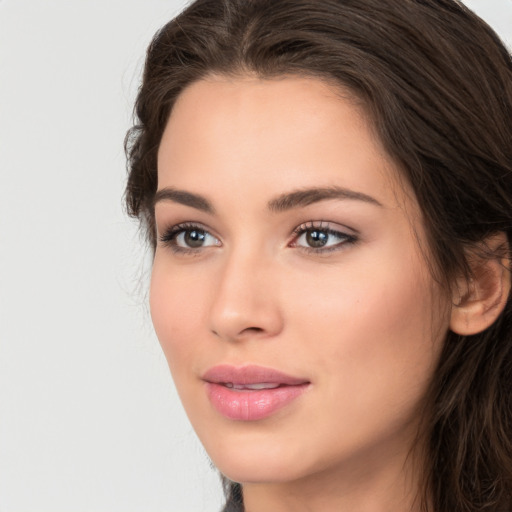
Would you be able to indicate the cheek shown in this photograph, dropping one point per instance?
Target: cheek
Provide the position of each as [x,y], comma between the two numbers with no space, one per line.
[176,312]
[374,327]
[367,337]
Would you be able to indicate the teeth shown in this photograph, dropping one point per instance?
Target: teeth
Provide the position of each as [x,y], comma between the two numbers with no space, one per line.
[254,387]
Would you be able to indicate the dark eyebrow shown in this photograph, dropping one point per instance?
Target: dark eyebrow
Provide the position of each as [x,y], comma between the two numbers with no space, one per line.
[287,201]
[186,198]
[305,197]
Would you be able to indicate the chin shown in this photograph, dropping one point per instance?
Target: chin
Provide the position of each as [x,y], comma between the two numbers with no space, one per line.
[266,472]
[258,463]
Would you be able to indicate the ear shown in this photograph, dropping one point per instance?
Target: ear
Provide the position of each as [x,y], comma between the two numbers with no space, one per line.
[479,300]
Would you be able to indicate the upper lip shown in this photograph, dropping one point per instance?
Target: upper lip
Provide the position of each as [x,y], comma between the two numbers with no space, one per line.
[250,374]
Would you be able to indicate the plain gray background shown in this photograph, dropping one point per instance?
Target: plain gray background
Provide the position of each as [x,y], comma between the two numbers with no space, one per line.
[89,418]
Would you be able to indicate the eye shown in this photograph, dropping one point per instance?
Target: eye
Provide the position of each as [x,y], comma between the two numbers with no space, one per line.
[188,238]
[321,238]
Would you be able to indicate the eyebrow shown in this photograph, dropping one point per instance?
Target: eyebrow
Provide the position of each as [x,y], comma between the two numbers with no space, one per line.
[185,198]
[284,202]
[305,197]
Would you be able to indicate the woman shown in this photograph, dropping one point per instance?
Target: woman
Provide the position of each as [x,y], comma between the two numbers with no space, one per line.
[327,187]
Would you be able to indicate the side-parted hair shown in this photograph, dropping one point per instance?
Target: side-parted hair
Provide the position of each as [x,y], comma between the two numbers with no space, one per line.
[436,84]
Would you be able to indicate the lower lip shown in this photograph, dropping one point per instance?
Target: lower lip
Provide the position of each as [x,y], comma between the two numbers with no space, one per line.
[247,405]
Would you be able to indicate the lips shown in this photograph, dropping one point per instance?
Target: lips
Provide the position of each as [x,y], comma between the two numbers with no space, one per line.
[252,387]
[251,393]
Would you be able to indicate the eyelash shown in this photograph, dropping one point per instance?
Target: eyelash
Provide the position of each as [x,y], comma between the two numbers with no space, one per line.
[347,239]
[168,238]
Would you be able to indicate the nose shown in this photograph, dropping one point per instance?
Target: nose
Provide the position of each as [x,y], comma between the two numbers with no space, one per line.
[246,303]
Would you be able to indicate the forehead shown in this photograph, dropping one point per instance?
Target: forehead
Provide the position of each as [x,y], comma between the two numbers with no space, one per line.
[271,135]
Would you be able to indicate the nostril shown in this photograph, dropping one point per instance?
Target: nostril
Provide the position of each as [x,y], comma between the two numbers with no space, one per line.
[244,332]
[252,330]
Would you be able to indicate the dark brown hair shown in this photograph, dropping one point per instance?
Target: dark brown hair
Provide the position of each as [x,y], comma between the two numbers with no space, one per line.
[437,84]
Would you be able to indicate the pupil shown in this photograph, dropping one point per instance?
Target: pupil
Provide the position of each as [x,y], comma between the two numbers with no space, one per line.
[316,238]
[194,238]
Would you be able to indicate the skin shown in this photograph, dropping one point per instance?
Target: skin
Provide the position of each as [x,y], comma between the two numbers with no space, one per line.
[363,321]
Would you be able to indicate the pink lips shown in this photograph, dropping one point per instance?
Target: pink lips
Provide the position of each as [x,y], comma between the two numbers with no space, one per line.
[250,393]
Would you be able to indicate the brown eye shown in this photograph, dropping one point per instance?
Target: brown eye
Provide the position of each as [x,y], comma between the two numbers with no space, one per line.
[316,238]
[184,237]
[321,239]
[194,238]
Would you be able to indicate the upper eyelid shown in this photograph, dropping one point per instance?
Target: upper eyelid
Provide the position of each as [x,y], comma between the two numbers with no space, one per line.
[169,235]
[327,225]
[331,226]
[341,233]
[346,239]
[183,226]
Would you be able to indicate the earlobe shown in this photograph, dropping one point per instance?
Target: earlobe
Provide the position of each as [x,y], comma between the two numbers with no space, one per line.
[479,300]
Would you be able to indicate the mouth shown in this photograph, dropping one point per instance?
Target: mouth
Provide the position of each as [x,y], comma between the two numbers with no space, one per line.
[251,393]
[250,375]
[251,387]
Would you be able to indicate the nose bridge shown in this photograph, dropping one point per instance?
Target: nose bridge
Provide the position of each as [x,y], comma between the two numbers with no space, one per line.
[245,301]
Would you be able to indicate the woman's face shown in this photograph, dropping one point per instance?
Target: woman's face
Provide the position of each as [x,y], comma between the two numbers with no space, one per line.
[289,291]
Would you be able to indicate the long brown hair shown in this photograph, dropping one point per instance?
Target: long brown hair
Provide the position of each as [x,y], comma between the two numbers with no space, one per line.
[437,84]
